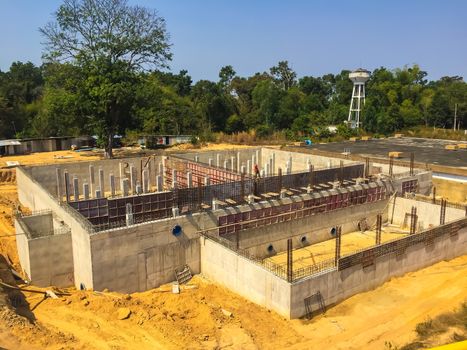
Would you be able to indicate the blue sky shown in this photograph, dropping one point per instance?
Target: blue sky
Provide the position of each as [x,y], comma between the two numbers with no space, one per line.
[315,36]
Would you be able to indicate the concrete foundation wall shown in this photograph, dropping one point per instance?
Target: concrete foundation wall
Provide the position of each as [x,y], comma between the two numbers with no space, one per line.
[336,286]
[299,160]
[46,175]
[46,260]
[23,248]
[428,213]
[140,257]
[32,195]
[203,157]
[39,225]
[240,275]
[315,228]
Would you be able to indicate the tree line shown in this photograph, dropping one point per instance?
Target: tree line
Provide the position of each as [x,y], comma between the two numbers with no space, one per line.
[95,81]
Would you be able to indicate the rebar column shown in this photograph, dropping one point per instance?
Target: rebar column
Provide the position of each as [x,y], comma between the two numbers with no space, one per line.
[133,178]
[367,167]
[145,181]
[442,215]
[159,183]
[125,186]
[112,185]
[412,159]
[75,188]
[413,220]
[101,182]
[434,195]
[337,255]
[66,175]
[58,174]
[189,179]
[379,222]
[92,179]
[289,261]
[86,190]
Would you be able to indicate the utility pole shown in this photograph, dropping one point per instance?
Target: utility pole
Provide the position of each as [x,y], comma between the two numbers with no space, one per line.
[455,117]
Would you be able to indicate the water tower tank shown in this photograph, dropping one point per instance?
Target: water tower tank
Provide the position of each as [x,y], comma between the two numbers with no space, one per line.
[359,77]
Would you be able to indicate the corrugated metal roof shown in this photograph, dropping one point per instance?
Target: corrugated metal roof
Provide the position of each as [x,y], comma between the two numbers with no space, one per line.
[9,143]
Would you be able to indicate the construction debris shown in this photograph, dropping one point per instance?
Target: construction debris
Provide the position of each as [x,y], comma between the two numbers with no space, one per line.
[123,313]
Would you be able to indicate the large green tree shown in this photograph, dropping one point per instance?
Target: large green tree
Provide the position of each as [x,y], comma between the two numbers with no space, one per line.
[111,41]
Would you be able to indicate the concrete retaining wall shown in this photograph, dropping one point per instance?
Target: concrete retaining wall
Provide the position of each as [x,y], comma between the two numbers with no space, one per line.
[315,228]
[336,286]
[204,156]
[240,275]
[428,213]
[46,175]
[140,257]
[32,195]
[299,160]
[46,260]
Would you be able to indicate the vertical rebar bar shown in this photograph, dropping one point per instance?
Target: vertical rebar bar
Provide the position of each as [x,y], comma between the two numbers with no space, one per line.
[289,260]
[434,195]
[279,174]
[242,187]
[391,165]
[367,167]
[412,159]
[341,173]
[312,176]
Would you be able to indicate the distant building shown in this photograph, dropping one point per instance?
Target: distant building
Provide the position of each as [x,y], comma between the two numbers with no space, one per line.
[47,144]
[153,141]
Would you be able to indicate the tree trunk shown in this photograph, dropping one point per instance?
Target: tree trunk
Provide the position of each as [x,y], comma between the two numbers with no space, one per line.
[108,146]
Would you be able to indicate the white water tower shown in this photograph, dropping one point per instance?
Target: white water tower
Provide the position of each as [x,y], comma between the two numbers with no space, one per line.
[359,78]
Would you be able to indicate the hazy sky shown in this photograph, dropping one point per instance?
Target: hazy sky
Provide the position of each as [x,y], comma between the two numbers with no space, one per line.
[316,37]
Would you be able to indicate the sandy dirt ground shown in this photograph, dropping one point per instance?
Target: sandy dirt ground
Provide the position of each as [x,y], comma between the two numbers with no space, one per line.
[350,242]
[207,316]
[453,191]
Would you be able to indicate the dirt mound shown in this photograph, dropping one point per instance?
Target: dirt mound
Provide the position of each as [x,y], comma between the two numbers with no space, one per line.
[7,176]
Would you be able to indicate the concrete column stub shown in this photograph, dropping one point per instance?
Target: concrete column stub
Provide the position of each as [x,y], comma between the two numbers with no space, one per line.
[86,190]
[112,185]
[75,188]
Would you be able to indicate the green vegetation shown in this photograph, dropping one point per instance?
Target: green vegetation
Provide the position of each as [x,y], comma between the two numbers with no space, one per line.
[452,324]
[96,80]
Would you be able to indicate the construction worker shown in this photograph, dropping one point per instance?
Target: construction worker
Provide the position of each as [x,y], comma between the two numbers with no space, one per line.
[256,171]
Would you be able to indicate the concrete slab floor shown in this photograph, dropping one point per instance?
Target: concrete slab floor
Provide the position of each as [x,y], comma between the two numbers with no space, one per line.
[350,242]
